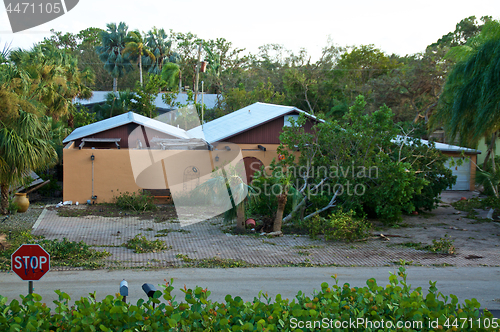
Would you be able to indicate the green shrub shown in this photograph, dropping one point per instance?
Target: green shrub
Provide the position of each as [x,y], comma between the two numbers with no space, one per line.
[50,188]
[443,245]
[138,202]
[141,244]
[332,307]
[12,207]
[340,226]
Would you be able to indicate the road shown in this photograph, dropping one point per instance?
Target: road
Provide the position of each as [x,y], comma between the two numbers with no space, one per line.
[466,283]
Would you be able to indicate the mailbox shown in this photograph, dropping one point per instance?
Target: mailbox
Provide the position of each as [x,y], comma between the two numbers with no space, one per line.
[124,288]
[149,289]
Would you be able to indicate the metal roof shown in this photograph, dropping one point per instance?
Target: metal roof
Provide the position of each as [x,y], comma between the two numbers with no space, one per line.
[242,120]
[210,100]
[124,119]
[442,146]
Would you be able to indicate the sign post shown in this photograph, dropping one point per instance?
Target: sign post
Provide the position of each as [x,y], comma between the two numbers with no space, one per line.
[30,262]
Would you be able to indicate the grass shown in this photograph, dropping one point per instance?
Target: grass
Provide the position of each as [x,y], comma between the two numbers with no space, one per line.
[441,246]
[164,232]
[214,262]
[308,247]
[304,253]
[471,205]
[62,253]
[140,244]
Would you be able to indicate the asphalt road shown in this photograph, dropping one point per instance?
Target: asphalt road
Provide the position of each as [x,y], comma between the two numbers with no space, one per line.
[481,283]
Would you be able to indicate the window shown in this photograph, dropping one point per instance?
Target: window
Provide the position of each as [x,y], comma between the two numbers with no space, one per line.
[287,123]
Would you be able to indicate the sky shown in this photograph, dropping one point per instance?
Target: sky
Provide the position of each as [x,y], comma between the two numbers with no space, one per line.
[394,26]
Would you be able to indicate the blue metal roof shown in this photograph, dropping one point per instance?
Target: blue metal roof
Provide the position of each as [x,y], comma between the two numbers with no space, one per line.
[242,120]
[210,100]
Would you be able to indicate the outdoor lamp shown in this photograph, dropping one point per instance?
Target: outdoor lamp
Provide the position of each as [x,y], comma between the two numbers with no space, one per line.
[217,158]
[92,157]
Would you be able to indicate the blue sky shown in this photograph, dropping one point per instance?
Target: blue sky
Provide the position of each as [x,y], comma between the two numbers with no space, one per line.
[400,27]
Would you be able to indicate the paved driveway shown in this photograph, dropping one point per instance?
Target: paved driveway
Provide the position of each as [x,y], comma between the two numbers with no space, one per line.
[477,244]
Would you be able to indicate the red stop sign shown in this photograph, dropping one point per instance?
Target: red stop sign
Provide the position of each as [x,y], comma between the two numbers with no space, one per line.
[30,262]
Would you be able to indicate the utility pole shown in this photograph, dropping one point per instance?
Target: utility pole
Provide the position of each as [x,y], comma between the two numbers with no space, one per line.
[202,111]
[197,74]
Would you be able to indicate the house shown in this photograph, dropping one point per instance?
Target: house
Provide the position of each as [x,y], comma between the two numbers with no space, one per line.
[130,152]
[463,165]
[210,101]
[126,153]
[110,157]
[255,129]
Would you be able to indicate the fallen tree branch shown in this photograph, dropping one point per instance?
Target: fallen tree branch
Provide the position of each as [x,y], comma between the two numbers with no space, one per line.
[330,205]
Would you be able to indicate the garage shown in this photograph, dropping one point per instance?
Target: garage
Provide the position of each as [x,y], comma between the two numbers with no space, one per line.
[462,162]
[462,172]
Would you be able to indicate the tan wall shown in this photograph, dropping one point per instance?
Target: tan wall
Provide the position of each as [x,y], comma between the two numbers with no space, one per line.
[116,172]
[473,161]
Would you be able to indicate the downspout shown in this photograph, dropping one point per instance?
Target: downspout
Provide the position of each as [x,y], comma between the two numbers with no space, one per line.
[94,197]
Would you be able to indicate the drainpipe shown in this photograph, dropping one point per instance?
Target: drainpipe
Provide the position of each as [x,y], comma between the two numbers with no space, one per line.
[92,157]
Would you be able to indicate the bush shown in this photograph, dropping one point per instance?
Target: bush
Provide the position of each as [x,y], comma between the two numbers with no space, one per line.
[340,226]
[50,188]
[13,207]
[141,244]
[138,202]
[332,307]
[375,171]
[62,253]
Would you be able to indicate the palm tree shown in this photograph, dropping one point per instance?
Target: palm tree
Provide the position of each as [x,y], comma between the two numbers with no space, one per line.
[471,96]
[157,41]
[24,146]
[115,104]
[51,77]
[171,75]
[136,49]
[111,51]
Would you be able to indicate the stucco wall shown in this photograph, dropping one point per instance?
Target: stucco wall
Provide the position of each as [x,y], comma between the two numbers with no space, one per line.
[484,148]
[117,171]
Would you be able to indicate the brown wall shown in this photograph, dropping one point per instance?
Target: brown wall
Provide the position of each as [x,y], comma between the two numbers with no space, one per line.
[127,133]
[473,161]
[267,133]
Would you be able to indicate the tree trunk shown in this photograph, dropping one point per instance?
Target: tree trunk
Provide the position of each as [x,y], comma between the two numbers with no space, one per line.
[281,209]
[115,84]
[71,121]
[140,69]
[5,199]
[180,81]
[490,152]
[240,217]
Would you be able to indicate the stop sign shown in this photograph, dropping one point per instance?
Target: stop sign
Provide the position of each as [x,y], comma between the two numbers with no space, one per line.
[30,262]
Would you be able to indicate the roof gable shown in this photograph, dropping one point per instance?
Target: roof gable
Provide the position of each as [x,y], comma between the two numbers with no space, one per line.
[242,120]
[124,119]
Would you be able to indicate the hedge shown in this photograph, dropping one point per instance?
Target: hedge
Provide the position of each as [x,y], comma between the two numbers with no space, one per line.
[334,308]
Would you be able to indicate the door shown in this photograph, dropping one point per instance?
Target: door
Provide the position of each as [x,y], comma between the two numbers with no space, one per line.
[462,172]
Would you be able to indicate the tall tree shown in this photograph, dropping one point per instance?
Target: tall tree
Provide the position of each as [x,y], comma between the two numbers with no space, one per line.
[160,45]
[24,146]
[471,98]
[110,52]
[136,49]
